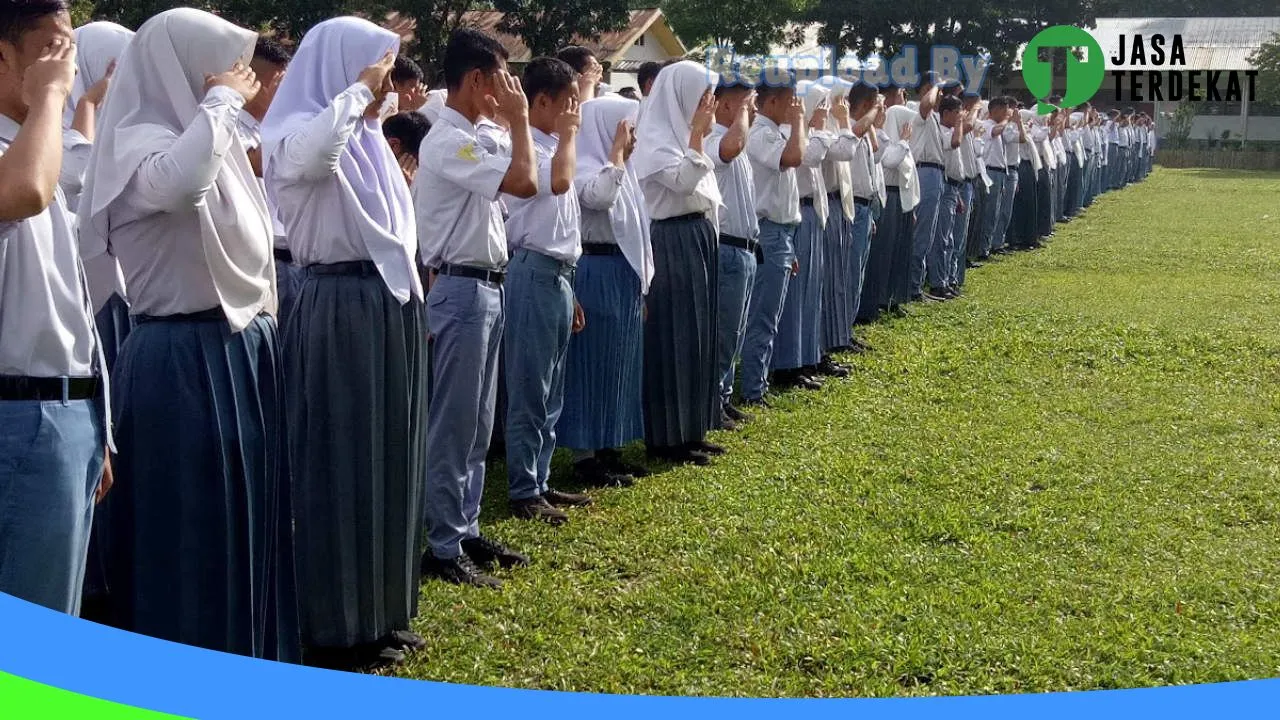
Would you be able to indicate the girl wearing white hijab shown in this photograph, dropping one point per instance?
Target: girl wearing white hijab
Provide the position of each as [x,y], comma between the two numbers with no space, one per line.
[1023,226]
[98,45]
[355,346]
[903,195]
[201,528]
[602,395]
[797,348]
[837,251]
[681,390]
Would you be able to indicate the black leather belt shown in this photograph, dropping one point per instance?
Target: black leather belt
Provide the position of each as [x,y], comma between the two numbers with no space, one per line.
[21,387]
[930,165]
[1014,168]
[600,249]
[475,273]
[363,268]
[806,202]
[210,315]
[992,169]
[739,242]
[283,255]
[685,218]
[862,201]
[954,183]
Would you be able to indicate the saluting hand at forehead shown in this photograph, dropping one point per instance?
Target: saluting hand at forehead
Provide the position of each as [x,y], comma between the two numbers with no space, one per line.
[240,78]
[53,72]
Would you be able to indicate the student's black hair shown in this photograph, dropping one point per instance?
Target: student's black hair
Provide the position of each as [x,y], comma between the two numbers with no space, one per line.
[771,84]
[17,17]
[577,56]
[861,93]
[547,76]
[409,128]
[648,72]
[1084,107]
[406,70]
[270,50]
[1129,111]
[732,85]
[996,103]
[470,49]
[949,103]
[629,93]
[1010,101]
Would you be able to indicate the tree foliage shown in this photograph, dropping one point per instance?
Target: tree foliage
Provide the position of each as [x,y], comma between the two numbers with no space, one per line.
[748,26]
[1267,60]
[545,26]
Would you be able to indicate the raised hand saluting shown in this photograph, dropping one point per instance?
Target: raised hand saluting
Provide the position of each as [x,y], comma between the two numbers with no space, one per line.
[240,78]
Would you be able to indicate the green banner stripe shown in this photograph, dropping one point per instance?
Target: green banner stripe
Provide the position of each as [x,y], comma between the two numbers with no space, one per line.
[22,699]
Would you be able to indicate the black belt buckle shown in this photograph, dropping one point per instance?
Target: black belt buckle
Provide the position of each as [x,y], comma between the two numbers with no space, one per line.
[862,201]
[806,202]
[601,249]
[482,274]
[930,165]
[283,255]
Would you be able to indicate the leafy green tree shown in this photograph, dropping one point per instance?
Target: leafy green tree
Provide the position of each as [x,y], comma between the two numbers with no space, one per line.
[748,26]
[545,26]
[1267,60]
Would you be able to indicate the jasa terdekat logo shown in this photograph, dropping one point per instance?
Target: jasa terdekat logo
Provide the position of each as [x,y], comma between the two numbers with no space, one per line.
[1084,77]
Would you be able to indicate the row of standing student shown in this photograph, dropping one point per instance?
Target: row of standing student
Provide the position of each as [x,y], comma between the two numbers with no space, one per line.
[275,488]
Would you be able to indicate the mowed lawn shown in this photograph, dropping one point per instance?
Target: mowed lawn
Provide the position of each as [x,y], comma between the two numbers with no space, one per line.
[1065,480]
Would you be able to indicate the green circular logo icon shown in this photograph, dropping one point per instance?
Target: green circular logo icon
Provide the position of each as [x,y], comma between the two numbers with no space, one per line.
[1084,77]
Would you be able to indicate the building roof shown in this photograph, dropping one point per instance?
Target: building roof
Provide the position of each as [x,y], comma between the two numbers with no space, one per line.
[1210,43]
[608,47]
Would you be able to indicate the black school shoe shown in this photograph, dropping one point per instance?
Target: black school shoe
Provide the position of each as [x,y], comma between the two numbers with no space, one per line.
[537,508]
[560,498]
[831,368]
[726,422]
[683,455]
[461,570]
[592,472]
[612,460]
[404,640]
[735,414]
[706,448]
[484,552]
[367,656]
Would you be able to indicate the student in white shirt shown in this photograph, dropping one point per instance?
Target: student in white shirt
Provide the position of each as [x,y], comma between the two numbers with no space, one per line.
[1077,158]
[904,191]
[681,388]
[776,145]
[545,241]
[1044,130]
[1014,138]
[1115,150]
[927,147]
[1024,225]
[52,434]
[938,262]
[354,345]
[739,235]
[963,243]
[464,243]
[867,180]
[98,45]
[270,60]
[797,349]
[202,525]
[993,158]
[836,326]
[605,365]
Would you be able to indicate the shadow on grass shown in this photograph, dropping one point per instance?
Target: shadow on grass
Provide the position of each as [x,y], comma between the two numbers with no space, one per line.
[1225,174]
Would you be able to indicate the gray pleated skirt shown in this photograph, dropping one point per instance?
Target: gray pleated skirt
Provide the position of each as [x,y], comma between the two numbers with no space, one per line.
[875,283]
[900,227]
[356,379]
[681,390]
[837,268]
[798,328]
[201,524]
[602,390]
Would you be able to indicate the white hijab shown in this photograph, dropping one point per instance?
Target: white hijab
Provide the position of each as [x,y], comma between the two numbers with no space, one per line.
[662,130]
[330,60]
[630,221]
[157,90]
[811,95]
[844,173]
[909,187]
[97,44]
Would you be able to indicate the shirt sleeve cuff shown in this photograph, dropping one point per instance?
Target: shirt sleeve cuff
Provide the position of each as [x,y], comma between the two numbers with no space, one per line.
[699,159]
[223,95]
[613,173]
[360,91]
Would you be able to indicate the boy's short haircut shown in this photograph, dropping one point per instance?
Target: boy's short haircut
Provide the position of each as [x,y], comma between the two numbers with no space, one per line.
[406,70]
[409,128]
[547,76]
[470,49]
[270,50]
[17,17]
[861,93]
[577,56]
[729,85]
[648,72]
[769,86]
[949,103]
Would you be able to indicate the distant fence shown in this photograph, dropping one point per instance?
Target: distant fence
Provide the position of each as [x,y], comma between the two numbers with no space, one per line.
[1225,159]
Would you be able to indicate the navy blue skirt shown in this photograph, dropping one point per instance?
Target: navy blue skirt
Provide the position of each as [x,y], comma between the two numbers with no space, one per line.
[356,373]
[899,227]
[681,390]
[875,282]
[837,268]
[602,390]
[798,328]
[201,530]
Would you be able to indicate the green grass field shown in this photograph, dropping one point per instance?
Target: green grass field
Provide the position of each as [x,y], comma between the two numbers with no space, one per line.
[1065,480]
